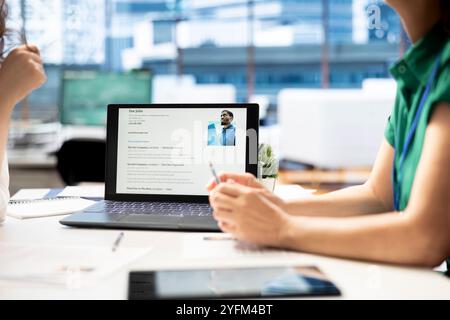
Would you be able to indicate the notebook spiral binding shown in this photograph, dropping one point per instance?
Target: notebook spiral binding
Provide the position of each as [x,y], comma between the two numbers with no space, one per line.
[13,202]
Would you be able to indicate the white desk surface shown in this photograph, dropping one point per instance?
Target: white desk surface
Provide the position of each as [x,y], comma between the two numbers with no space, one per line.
[171,250]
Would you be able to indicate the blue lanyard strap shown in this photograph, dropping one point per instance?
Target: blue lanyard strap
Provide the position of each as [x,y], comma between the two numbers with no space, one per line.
[410,136]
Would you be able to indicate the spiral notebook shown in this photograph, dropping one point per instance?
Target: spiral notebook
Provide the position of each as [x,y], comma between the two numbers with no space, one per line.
[36,208]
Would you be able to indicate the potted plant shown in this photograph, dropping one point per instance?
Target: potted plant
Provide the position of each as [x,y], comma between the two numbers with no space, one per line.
[267,166]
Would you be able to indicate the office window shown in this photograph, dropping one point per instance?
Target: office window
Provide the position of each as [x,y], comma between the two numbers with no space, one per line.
[259,46]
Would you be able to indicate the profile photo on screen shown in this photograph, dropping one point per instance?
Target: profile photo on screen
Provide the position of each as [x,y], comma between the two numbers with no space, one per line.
[223,132]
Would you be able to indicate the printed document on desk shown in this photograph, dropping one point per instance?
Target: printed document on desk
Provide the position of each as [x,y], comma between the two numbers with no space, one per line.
[30,194]
[70,266]
[88,191]
[217,246]
[292,191]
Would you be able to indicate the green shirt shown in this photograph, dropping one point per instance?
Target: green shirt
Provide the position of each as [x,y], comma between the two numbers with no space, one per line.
[412,73]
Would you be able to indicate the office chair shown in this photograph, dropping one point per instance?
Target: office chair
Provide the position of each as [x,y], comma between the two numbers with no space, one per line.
[82,160]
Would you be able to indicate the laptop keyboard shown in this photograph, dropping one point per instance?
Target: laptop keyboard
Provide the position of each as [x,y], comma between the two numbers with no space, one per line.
[156,208]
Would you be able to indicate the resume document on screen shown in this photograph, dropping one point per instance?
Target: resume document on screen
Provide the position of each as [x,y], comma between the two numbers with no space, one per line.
[167,151]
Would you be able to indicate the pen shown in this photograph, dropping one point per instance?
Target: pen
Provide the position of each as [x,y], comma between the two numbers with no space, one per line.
[219,238]
[117,242]
[214,173]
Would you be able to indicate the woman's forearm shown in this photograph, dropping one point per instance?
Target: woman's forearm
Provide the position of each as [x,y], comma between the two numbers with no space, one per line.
[5,115]
[353,201]
[389,237]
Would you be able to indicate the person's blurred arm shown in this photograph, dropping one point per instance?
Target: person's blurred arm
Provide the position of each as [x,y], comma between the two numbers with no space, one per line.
[5,114]
[4,189]
[375,196]
[20,73]
[417,236]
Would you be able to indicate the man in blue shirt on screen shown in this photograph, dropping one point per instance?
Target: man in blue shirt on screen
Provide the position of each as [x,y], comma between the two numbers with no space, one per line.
[227,137]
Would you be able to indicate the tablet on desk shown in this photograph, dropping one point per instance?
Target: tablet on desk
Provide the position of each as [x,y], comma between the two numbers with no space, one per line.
[260,282]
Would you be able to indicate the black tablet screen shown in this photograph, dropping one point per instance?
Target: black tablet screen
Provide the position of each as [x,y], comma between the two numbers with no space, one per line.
[222,283]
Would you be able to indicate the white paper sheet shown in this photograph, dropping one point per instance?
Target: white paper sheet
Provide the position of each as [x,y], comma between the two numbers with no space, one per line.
[292,191]
[47,207]
[69,266]
[27,194]
[224,246]
[95,191]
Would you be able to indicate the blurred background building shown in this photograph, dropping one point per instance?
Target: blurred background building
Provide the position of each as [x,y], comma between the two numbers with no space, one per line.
[318,68]
[258,46]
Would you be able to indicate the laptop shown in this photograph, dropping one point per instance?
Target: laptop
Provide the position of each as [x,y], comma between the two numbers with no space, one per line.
[158,164]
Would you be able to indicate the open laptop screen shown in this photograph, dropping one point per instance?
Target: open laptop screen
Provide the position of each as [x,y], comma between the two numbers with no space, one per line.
[166,151]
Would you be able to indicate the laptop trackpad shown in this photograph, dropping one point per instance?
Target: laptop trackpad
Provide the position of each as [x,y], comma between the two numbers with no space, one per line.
[151,219]
[205,222]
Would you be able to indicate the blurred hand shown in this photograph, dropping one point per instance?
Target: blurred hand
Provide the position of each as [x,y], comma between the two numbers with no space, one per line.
[248,214]
[248,180]
[245,179]
[20,73]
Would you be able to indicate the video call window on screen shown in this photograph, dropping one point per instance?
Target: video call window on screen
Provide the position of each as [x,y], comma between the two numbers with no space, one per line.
[222,132]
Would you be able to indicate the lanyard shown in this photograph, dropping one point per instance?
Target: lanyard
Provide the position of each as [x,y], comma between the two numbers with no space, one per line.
[395,177]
